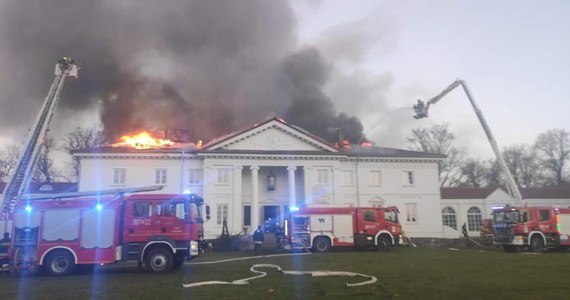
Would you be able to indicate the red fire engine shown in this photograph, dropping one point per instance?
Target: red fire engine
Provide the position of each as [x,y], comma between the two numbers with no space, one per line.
[321,228]
[534,227]
[158,231]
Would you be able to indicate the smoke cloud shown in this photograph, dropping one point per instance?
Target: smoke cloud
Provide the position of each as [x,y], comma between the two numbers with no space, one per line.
[210,67]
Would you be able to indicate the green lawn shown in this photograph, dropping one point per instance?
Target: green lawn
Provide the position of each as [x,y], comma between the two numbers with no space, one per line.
[403,273]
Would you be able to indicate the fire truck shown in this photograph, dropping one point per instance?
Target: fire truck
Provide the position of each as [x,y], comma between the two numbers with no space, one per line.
[158,231]
[321,228]
[537,228]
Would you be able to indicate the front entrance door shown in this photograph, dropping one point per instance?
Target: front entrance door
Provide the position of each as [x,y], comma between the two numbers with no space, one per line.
[270,217]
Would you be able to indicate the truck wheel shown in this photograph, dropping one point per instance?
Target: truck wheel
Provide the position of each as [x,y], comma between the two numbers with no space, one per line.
[383,244]
[536,244]
[159,260]
[59,263]
[321,244]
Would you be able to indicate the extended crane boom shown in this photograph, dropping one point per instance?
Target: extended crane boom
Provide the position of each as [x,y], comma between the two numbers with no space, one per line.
[421,111]
[19,181]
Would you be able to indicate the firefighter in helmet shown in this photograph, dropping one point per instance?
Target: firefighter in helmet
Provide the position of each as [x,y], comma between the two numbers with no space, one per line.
[4,245]
[464,230]
[258,238]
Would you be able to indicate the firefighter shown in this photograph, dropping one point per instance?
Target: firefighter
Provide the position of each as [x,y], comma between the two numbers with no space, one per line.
[420,110]
[258,238]
[464,230]
[278,235]
[4,245]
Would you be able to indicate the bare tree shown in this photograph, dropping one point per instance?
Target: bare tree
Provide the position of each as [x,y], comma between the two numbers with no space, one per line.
[494,176]
[45,171]
[8,160]
[474,172]
[523,163]
[439,140]
[553,147]
[82,138]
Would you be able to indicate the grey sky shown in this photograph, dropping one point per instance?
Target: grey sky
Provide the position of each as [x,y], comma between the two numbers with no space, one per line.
[513,55]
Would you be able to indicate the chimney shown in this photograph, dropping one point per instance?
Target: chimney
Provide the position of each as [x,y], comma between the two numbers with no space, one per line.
[340,138]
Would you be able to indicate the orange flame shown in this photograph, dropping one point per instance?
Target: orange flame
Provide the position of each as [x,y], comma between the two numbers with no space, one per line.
[143,140]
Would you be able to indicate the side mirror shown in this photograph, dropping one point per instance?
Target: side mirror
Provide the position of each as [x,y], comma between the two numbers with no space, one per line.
[207,212]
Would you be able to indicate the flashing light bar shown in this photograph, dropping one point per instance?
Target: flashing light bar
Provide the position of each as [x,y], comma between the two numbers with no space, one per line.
[294,208]
[28,208]
[558,223]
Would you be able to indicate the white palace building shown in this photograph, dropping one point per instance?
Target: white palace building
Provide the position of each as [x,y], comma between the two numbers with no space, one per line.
[260,172]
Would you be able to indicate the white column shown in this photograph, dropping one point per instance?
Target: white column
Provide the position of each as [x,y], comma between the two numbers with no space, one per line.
[308,185]
[237,203]
[337,178]
[210,229]
[255,196]
[182,181]
[292,190]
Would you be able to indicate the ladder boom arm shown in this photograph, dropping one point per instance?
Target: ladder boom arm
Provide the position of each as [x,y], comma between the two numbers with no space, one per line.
[19,181]
[421,110]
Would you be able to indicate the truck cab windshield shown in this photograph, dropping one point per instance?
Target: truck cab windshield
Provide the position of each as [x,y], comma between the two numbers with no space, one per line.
[195,214]
[511,216]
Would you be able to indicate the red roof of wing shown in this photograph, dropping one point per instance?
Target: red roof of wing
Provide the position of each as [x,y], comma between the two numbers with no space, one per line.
[550,192]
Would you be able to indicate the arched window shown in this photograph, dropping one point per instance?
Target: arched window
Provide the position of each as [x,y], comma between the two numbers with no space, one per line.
[473,219]
[449,218]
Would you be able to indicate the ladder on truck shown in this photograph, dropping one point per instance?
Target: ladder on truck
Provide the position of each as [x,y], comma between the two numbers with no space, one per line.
[19,182]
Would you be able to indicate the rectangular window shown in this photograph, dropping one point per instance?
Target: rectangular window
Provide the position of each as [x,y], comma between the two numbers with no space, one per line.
[170,209]
[221,213]
[369,215]
[195,176]
[375,177]
[174,209]
[348,177]
[142,209]
[119,175]
[160,176]
[223,176]
[247,215]
[408,178]
[390,215]
[524,215]
[323,177]
[411,212]
[543,215]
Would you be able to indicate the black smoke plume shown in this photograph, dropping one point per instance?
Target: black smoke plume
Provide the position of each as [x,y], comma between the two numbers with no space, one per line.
[210,67]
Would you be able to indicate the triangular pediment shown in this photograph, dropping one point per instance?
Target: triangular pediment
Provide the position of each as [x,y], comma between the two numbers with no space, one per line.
[272,135]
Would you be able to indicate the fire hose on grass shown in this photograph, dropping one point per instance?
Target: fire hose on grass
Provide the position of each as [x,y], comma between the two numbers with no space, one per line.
[372,279]
[243,281]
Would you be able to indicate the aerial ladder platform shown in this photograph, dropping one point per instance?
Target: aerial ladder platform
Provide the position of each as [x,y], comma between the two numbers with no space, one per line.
[421,110]
[19,181]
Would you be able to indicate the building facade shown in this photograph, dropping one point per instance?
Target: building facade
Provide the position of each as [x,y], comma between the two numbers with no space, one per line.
[261,172]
